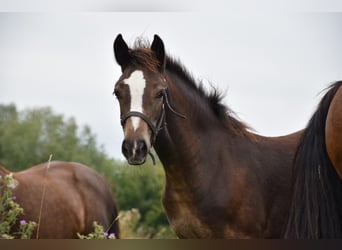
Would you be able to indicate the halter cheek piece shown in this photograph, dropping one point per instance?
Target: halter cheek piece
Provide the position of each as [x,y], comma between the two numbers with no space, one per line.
[160,124]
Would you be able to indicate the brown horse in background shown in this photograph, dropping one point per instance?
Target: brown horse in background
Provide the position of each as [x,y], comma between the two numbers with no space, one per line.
[316,204]
[222,180]
[66,198]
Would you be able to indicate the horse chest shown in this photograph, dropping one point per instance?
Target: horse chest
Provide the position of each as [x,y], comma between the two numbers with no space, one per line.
[187,223]
[184,221]
[193,220]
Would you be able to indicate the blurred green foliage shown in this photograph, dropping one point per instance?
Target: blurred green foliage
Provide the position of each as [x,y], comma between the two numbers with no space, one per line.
[10,211]
[29,136]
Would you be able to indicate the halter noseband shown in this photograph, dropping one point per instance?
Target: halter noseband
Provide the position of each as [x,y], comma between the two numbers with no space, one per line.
[161,121]
[154,129]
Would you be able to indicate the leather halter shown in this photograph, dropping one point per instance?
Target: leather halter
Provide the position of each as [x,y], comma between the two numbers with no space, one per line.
[161,121]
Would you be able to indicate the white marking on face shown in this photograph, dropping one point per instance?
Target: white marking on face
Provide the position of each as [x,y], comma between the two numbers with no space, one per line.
[136,84]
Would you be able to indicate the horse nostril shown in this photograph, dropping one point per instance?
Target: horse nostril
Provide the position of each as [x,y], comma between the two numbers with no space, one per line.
[126,145]
[141,147]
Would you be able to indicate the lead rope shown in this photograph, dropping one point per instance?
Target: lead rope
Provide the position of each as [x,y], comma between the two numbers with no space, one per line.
[152,158]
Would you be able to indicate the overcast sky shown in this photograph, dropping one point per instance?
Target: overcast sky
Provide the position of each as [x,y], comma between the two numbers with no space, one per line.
[271,62]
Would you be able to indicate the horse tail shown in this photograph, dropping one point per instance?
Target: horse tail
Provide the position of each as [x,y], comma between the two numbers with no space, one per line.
[316,203]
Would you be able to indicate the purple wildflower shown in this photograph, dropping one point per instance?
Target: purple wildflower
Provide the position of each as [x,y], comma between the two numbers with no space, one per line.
[111,236]
[14,197]
[22,222]
[105,234]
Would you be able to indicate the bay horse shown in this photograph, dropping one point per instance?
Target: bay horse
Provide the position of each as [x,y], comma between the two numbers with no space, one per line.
[222,180]
[316,203]
[65,198]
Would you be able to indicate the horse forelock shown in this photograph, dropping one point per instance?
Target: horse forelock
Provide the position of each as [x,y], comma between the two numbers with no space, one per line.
[142,56]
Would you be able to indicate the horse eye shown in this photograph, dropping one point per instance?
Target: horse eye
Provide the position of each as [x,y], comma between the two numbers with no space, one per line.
[160,94]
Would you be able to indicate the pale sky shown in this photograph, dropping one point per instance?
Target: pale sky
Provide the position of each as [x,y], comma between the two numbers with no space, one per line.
[271,62]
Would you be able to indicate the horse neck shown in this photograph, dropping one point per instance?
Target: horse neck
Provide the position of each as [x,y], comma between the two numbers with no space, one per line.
[185,145]
[203,144]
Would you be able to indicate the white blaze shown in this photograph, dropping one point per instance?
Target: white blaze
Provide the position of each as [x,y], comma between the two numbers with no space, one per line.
[136,84]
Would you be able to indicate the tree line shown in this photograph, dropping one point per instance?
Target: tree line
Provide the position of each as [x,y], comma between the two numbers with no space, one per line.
[28,137]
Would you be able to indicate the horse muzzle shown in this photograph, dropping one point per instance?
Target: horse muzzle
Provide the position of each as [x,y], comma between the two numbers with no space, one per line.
[135,151]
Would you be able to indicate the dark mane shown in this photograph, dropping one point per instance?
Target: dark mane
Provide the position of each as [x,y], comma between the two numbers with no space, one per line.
[141,55]
[316,205]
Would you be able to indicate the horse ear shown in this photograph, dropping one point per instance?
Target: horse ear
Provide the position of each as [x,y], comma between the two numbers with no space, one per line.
[159,50]
[121,52]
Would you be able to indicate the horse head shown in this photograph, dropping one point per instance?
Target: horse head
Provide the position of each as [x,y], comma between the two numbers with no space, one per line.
[141,92]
